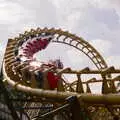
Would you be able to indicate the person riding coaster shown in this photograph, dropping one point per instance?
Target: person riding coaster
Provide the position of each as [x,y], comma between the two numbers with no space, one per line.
[39,74]
[49,73]
[43,75]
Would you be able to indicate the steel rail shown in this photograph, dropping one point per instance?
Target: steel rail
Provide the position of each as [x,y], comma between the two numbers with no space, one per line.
[87,98]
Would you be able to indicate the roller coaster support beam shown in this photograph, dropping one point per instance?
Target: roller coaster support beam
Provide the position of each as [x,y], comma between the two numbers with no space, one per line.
[87,98]
[115,71]
[78,110]
[79,88]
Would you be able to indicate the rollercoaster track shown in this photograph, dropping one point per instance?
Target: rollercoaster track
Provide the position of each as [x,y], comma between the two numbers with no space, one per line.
[12,66]
[13,72]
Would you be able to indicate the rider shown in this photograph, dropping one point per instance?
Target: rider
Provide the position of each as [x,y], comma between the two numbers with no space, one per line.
[40,70]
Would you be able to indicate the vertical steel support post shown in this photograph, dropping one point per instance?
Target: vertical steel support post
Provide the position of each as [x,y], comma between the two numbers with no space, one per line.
[78,112]
[79,87]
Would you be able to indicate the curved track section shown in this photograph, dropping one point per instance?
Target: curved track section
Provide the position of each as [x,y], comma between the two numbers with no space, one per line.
[88,106]
[11,65]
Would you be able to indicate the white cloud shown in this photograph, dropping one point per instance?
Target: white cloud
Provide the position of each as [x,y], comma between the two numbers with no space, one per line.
[75,55]
[89,19]
[79,60]
[11,13]
[18,16]
[114,60]
[78,16]
[102,46]
[96,20]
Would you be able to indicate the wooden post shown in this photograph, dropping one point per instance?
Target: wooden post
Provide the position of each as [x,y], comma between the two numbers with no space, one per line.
[105,88]
[79,87]
[60,84]
[112,87]
[88,88]
[45,81]
[77,109]
[33,80]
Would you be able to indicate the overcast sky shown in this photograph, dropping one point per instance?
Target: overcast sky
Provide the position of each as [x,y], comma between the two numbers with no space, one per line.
[97,21]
